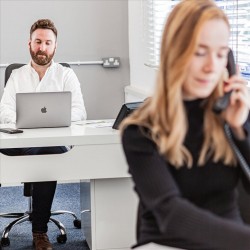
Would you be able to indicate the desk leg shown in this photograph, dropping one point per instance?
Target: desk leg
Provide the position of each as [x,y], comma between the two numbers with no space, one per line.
[111,222]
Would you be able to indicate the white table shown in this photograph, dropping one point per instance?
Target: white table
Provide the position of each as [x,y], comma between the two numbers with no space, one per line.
[97,156]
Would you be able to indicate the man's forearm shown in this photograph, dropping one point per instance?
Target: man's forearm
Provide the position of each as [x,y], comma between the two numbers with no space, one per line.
[8,117]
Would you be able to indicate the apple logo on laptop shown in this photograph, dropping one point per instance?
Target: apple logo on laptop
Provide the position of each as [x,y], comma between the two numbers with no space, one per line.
[44,110]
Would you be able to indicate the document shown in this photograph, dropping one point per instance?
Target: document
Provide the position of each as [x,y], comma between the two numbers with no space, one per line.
[96,124]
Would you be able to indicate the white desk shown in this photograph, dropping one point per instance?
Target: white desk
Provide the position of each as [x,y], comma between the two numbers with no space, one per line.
[97,155]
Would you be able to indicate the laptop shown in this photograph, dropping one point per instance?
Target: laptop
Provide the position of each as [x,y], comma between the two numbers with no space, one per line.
[43,109]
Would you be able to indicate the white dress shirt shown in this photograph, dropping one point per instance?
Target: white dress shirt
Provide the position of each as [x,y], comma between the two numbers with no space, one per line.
[26,79]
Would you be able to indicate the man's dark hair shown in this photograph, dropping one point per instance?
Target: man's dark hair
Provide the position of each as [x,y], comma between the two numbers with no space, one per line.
[43,24]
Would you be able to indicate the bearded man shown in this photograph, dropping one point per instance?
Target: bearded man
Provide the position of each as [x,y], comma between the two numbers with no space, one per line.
[42,74]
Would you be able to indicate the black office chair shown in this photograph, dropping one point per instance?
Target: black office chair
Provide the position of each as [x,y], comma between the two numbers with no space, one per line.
[28,191]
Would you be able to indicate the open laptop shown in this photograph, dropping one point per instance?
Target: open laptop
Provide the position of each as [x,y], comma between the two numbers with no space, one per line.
[43,109]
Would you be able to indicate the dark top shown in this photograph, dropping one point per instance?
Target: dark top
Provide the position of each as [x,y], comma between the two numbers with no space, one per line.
[187,208]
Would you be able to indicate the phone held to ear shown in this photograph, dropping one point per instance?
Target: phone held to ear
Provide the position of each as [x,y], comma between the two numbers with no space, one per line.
[11,130]
[222,102]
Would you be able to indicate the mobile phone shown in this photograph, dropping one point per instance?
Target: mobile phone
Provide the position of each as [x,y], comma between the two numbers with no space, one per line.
[11,130]
[222,102]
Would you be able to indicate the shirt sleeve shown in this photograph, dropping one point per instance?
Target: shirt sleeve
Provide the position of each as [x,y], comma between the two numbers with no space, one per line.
[72,84]
[244,147]
[176,217]
[8,102]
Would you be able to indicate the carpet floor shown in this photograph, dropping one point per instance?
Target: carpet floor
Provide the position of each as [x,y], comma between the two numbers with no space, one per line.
[67,197]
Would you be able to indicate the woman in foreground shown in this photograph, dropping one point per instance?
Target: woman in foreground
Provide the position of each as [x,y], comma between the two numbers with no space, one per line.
[184,170]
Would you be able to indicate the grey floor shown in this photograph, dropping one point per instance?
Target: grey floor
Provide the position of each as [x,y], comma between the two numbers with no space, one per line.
[67,197]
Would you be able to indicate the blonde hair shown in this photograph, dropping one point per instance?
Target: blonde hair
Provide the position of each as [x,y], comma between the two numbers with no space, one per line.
[164,113]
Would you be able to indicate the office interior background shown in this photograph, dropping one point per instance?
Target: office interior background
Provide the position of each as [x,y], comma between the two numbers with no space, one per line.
[89,30]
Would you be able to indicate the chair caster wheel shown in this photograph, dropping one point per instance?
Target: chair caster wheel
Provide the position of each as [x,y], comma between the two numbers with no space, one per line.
[5,242]
[61,238]
[77,223]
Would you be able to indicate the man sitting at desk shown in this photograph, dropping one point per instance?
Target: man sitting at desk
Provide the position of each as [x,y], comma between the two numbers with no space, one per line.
[42,74]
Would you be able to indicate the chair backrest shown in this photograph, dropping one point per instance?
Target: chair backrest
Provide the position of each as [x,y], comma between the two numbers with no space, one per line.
[13,66]
[9,69]
[65,65]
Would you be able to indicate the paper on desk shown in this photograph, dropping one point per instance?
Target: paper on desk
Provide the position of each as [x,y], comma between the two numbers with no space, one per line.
[104,125]
[98,124]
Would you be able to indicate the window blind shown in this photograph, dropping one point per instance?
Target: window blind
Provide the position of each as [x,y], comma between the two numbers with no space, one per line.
[238,12]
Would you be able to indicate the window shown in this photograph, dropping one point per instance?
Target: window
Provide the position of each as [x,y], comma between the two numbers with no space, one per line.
[155,13]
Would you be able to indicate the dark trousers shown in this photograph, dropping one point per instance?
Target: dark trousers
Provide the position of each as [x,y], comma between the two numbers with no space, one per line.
[43,192]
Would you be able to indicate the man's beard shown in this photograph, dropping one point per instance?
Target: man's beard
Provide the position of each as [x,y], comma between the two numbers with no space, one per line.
[41,60]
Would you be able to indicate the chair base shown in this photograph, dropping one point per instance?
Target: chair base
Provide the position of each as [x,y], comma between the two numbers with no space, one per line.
[27,216]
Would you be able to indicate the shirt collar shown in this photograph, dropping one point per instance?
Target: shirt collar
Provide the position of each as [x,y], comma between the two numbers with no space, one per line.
[48,69]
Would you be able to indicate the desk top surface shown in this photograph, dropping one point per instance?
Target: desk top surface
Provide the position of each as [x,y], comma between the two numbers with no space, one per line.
[79,133]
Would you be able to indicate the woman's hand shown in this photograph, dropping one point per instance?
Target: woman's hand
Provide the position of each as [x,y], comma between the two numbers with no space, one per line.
[237,111]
